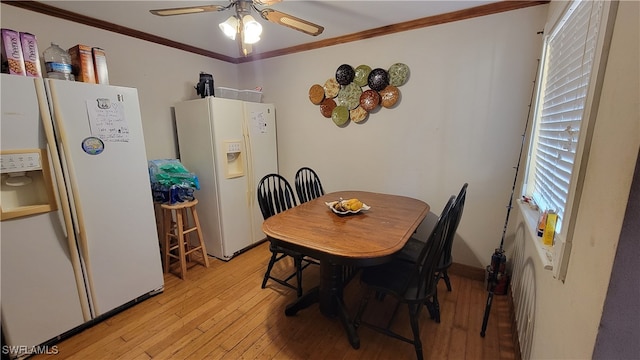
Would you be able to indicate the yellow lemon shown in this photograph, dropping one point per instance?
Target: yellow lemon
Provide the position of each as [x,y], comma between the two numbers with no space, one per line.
[355,205]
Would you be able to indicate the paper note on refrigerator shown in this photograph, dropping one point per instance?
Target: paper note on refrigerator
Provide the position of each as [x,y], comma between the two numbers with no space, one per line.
[258,122]
[107,120]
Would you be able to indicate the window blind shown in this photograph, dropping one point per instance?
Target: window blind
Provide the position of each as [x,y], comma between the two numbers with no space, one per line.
[566,73]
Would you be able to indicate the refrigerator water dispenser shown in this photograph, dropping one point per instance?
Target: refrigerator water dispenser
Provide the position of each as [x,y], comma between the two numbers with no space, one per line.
[234,166]
[26,186]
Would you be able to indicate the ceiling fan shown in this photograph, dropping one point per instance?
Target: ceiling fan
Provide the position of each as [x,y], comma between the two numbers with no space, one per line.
[243,24]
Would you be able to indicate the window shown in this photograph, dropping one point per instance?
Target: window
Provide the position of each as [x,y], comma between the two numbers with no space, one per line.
[570,77]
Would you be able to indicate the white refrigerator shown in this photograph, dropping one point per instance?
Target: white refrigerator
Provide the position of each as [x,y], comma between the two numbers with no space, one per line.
[78,234]
[230,145]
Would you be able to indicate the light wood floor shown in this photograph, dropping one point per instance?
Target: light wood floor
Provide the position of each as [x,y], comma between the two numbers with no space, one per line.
[222,313]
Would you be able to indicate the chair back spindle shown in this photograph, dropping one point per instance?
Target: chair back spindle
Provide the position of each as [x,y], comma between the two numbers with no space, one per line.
[275,195]
[308,185]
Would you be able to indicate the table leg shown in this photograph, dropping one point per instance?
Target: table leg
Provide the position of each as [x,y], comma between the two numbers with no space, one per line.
[330,288]
[303,302]
[326,294]
[329,297]
[354,339]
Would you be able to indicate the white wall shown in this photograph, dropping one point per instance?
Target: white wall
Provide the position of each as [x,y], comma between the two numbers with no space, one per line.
[162,75]
[568,314]
[460,118]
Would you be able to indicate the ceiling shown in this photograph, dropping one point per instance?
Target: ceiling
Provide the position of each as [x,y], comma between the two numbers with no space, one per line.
[339,18]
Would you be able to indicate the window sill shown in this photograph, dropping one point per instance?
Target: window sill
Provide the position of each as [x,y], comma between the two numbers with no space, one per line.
[531,217]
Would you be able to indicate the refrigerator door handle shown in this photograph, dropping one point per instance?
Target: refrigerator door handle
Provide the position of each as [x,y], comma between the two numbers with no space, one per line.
[62,195]
[249,165]
[251,187]
[82,236]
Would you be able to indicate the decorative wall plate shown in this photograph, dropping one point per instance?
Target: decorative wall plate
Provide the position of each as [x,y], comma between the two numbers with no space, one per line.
[389,96]
[362,75]
[378,79]
[340,115]
[331,88]
[369,100]
[358,114]
[398,74]
[345,74]
[349,96]
[316,94]
[326,107]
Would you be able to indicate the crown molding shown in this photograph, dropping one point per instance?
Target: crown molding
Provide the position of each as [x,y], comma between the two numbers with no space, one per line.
[478,11]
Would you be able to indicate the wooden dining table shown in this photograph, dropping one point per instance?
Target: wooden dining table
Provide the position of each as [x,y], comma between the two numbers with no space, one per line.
[342,242]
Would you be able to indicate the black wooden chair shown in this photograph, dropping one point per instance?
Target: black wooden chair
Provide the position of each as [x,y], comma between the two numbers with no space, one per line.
[308,185]
[414,245]
[413,284]
[274,196]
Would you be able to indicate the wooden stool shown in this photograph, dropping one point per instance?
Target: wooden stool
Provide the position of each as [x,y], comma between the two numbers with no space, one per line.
[176,235]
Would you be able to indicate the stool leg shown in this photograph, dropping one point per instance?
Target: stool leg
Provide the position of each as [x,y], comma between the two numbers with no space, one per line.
[205,258]
[187,237]
[181,244]
[159,215]
[166,220]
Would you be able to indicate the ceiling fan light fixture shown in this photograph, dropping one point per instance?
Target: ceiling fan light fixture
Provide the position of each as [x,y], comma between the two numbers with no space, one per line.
[251,29]
[230,27]
[251,39]
[242,24]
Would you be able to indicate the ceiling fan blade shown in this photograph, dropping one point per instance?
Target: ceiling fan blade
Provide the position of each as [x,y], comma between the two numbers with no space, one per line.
[186,10]
[266,2]
[291,22]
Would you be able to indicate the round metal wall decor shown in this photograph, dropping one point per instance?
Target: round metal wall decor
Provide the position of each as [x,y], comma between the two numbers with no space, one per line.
[345,74]
[354,93]
[378,79]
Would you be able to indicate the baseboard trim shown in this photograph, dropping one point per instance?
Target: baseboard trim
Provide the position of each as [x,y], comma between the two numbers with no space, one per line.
[467,271]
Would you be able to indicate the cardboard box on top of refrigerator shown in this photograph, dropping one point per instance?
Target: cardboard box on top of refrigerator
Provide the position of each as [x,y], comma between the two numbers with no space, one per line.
[82,63]
[12,60]
[30,54]
[100,64]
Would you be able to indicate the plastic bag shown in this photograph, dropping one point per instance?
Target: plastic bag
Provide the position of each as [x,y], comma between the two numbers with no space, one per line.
[171,182]
[169,172]
[171,194]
